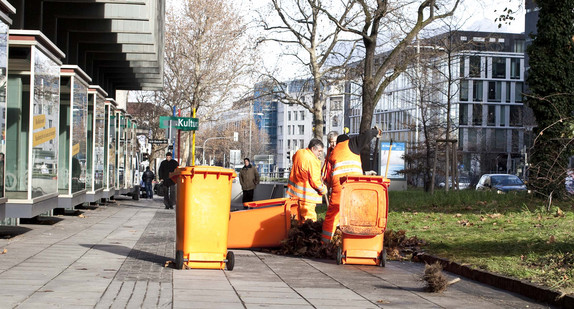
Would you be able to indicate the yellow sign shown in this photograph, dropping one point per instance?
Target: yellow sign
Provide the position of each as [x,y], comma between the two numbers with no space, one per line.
[75,149]
[43,136]
[39,121]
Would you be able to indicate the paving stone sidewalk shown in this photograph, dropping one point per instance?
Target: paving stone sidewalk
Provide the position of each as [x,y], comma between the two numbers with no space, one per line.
[113,256]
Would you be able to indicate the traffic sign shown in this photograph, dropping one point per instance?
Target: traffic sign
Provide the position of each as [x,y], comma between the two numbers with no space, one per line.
[180,123]
[158,141]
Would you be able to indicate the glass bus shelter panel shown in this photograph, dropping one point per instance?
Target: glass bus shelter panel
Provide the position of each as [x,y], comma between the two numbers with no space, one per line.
[121,150]
[3,83]
[64,139]
[99,142]
[17,128]
[111,147]
[128,155]
[90,143]
[45,111]
[79,134]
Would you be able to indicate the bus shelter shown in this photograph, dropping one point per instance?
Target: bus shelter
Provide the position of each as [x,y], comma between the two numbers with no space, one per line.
[96,143]
[33,111]
[120,119]
[109,149]
[5,10]
[73,134]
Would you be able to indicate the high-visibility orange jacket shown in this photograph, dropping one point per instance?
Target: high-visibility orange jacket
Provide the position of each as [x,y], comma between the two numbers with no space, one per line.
[342,162]
[305,177]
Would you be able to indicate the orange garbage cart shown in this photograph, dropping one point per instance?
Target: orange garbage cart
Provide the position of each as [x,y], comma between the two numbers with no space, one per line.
[202,217]
[363,219]
[263,225]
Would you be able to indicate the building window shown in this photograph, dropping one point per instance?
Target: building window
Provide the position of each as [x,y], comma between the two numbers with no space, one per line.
[515,68]
[477,90]
[335,122]
[302,115]
[289,130]
[507,98]
[464,90]
[301,129]
[498,67]
[500,139]
[301,143]
[477,114]
[491,119]
[461,66]
[515,116]
[474,66]
[518,46]
[494,91]
[289,116]
[518,89]
[463,114]
[503,116]
[288,144]
[295,116]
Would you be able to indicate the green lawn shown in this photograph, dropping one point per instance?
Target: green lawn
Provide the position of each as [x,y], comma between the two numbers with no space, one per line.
[511,234]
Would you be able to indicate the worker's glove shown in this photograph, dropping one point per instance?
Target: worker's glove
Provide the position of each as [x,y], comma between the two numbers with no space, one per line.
[371,173]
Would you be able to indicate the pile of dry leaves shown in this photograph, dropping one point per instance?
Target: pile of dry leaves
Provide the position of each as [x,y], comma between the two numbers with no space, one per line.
[305,240]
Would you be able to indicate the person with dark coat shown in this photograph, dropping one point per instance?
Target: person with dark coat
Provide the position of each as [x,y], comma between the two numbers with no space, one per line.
[167,166]
[148,177]
[249,179]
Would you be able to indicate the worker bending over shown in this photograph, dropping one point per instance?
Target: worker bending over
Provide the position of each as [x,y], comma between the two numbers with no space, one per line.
[345,160]
[305,183]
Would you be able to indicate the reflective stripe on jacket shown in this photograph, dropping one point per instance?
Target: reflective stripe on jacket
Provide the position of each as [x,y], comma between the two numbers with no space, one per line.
[305,177]
[343,162]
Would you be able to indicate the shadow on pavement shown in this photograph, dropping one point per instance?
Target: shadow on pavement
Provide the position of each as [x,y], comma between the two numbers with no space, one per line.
[130,253]
[7,232]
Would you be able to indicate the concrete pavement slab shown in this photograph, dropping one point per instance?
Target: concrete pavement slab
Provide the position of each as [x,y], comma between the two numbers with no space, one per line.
[114,258]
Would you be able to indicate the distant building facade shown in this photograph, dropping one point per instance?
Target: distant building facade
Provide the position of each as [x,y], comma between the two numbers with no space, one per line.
[486,94]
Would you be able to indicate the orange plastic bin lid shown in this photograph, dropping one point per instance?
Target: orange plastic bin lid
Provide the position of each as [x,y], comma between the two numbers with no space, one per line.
[202,170]
[364,205]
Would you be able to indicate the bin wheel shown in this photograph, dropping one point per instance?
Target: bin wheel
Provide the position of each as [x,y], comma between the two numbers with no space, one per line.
[383,258]
[178,259]
[339,256]
[230,260]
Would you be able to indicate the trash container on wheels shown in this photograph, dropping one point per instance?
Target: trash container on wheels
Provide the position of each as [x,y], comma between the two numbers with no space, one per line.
[363,219]
[202,217]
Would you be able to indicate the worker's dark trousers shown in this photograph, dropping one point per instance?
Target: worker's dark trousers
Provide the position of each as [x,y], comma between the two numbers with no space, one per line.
[169,197]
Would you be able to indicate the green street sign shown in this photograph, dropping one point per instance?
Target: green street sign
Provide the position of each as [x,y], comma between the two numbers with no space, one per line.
[180,123]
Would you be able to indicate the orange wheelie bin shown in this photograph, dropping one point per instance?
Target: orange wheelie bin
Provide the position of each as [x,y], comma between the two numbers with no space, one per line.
[202,217]
[363,219]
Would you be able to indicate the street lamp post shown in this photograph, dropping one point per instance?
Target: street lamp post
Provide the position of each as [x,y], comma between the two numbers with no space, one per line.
[251,114]
[218,137]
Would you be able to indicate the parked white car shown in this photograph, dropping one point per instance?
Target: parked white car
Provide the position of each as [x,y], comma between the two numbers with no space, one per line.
[463,183]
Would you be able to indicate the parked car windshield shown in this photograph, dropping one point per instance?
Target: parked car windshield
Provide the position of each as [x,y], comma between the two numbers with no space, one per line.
[506,180]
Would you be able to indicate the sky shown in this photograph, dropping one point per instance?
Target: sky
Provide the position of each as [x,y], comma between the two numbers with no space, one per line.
[473,15]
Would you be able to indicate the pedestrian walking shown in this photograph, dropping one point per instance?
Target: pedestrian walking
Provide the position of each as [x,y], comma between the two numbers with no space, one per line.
[167,166]
[305,183]
[345,160]
[148,177]
[249,179]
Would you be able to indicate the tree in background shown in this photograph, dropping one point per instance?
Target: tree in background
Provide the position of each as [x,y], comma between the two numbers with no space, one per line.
[387,26]
[551,85]
[317,46]
[207,57]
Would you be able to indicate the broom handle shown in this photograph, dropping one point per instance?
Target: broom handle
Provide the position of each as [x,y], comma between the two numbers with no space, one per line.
[389,158]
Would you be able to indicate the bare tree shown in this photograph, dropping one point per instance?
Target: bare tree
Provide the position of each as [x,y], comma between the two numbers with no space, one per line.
[319,48]
[377,76]
[147,112]
[207,57]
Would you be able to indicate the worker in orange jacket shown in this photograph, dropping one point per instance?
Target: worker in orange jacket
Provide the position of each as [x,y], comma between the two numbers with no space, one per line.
[345,160]
[305,183]
[331,142]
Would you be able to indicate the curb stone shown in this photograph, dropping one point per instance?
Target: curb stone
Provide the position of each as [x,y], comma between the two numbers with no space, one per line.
[521,287]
